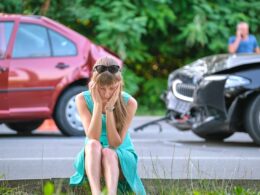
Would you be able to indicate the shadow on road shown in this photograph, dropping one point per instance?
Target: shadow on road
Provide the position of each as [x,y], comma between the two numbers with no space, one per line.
[47,135]
[217,143]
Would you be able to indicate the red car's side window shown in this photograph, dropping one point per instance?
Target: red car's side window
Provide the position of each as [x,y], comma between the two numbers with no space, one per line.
[5,34]
[31,41]
[61,46]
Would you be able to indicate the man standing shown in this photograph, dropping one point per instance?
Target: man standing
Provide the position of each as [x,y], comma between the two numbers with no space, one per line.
[243,42]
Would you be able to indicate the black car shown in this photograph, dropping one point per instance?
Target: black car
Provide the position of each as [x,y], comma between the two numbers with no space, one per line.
[216,96]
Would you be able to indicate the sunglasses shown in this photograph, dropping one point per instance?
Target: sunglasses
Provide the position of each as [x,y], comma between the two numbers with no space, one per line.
[102,68]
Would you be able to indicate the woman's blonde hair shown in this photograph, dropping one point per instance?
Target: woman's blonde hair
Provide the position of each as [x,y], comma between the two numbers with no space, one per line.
[107,78]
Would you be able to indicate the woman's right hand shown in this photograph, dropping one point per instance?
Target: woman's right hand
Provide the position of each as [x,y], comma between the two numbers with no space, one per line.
[95,94]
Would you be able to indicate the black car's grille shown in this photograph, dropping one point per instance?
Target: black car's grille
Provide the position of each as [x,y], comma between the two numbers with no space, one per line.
[185,89]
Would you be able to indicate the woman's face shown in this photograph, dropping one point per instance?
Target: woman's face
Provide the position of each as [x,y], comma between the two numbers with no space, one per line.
[106,91]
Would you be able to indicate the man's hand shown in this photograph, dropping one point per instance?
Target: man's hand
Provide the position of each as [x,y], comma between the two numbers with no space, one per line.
[238,35]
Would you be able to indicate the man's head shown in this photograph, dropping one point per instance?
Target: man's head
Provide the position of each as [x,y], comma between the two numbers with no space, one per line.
[243,28]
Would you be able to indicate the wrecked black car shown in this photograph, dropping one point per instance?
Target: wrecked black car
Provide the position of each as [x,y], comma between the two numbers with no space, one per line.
[216,96]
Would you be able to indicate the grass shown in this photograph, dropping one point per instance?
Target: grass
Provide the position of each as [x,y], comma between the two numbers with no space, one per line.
[204,187]
[153,186]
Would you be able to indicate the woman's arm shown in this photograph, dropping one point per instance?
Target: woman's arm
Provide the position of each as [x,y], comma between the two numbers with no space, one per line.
[115,138]
[92,124]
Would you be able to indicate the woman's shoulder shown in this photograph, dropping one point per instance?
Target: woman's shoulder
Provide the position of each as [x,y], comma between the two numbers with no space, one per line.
[126,96]
[83,97]
[124,93]
[80,97]
[84,93]
[130,100]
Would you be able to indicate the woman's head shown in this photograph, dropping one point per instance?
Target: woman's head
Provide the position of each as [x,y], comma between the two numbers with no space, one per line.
[107,75]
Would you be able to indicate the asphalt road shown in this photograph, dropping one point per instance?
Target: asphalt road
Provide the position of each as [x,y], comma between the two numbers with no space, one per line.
[167,154]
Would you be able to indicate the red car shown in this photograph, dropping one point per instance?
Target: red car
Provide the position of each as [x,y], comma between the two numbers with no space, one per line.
[43,65]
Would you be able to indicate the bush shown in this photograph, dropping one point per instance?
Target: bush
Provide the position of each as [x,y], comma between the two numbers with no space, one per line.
[151,92]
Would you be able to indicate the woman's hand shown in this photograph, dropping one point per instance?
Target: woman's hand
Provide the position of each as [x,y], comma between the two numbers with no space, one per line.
[95,94]
[114,97]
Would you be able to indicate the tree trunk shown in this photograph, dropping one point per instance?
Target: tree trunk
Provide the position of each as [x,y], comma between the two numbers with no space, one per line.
[45,7]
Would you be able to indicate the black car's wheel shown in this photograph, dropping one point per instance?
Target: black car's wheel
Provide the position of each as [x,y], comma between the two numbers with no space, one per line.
[252,119]
[24,127]
[215,136]
[66,115]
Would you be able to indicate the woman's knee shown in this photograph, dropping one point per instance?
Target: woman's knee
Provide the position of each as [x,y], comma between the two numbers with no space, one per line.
[93,145]
[109,156]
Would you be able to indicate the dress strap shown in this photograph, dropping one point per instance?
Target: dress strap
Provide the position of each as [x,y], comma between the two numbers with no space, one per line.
[88,99]
[126,96]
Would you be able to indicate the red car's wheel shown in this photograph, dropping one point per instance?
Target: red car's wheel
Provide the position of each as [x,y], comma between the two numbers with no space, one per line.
[66,115]
[24,127]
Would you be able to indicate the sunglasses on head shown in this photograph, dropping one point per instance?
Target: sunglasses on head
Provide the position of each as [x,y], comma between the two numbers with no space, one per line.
[102,68]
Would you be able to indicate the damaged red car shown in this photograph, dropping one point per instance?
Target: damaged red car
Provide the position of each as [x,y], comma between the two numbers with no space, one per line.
[43,65]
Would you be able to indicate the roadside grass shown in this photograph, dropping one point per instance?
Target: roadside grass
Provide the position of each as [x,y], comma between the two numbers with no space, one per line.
[153,186]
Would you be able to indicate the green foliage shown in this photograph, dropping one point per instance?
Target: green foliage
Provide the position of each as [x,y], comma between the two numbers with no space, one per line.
[10,6]
[239,190]
[131,81]
[153,37]
[48,188]
[152,89]
[209,24]
[104,191]
[5,190]
[121,25]
[152,186]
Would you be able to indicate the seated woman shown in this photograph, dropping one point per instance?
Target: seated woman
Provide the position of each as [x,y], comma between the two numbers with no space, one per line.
[106,113]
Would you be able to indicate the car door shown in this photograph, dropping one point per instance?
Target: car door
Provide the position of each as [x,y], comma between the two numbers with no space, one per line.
[36,69]
[6,28]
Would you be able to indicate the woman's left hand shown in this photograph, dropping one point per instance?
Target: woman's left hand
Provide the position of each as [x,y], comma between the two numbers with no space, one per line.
[114,97]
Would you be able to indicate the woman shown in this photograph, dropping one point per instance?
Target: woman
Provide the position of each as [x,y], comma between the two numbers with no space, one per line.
[106,113]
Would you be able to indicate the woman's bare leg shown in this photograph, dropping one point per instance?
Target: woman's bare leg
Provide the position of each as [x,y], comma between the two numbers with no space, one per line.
[110,170]
[93,165]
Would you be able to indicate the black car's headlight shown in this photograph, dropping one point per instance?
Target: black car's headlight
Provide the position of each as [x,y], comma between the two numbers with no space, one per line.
[236,81]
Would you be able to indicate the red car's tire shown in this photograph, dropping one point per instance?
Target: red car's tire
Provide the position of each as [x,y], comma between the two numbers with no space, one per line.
[24,127]
[66,116]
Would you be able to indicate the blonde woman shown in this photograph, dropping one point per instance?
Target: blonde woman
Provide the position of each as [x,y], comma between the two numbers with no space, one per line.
[106,113]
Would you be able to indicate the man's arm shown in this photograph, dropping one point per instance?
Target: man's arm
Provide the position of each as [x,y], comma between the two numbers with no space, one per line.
[232,47]
[257,50]
[256,46]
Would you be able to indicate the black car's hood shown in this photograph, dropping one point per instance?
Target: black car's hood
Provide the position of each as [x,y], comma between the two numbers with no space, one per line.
[216,63]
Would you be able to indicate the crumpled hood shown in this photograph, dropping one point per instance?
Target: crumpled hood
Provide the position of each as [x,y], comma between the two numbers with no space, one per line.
[216,63]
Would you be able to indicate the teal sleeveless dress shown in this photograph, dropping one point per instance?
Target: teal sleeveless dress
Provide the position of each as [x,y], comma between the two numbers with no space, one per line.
[126,155]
